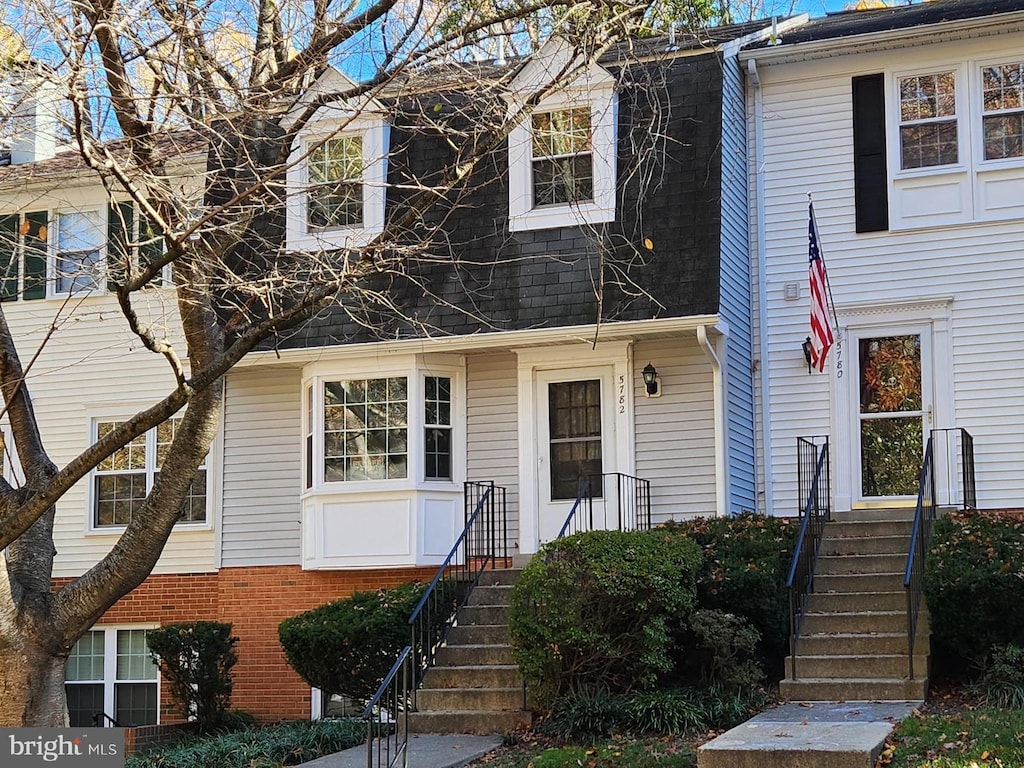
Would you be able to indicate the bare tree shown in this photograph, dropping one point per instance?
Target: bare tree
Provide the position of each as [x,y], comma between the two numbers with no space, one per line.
[186,113]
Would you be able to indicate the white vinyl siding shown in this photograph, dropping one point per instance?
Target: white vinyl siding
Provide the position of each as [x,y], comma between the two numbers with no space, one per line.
[262,467]
[978,267]
[492,438]
[675,433]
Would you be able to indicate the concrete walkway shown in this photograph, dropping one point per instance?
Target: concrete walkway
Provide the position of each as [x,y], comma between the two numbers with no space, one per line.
[816,734]
[425,751]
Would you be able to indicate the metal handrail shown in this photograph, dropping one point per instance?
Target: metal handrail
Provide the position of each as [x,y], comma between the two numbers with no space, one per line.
[814,513]
[99,717]
[630,503]
[958,466]
[483,541]
[387,716]
[917,552]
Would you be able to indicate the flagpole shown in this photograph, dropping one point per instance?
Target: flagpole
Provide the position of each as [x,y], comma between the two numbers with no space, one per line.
[821,254]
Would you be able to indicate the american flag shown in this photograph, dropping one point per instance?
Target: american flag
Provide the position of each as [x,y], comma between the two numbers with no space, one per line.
[821,329]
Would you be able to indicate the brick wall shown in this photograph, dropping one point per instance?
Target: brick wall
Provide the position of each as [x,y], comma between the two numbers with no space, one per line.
[254,600]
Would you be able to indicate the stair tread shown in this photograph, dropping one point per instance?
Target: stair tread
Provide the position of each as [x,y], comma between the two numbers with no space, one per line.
[502,667]
[835,680]
[837,656]
[855,613]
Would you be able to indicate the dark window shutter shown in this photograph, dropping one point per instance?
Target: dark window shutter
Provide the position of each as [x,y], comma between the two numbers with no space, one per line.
[870,176]
[36,249]
[9,264]
[120,223]
[151,243]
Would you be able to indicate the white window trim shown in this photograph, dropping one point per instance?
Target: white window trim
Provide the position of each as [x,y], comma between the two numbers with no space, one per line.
[415,373]
[603,102]
[375,132]
[52,253]
[110,666]
[92,529]
[977,85]
[963,127]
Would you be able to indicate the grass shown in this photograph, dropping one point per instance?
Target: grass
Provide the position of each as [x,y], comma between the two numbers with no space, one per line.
[972,738]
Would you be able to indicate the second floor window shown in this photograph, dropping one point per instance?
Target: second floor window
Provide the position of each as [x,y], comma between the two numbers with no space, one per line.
[335,194]
[562,149]
[77,266]
[122,481]
[1003,110]
[928,120]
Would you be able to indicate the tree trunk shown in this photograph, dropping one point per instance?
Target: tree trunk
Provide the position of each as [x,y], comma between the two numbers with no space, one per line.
[32,679]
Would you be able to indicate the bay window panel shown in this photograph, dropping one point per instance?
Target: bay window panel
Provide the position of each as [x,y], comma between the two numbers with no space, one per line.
[365,429]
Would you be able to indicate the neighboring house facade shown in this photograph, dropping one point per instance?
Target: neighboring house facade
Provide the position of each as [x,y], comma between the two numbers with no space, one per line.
[610,233]
[906,124]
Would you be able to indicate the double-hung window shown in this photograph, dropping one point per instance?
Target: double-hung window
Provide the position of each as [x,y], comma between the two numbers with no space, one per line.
[122,481]
[110,671]
[1002,116]
[79,250]
[928,120]
[334,197]
[563,157]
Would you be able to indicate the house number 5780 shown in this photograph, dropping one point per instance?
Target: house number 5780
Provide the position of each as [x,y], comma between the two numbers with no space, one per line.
[622,394]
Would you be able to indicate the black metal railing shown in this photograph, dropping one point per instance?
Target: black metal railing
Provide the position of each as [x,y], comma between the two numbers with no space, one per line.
[920,540]
[611,501]
[387,716]
[953,462]
[482,544]
[99,717]
[813,487]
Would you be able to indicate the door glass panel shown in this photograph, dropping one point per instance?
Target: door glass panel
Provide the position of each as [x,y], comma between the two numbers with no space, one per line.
[891,415]
[574,428]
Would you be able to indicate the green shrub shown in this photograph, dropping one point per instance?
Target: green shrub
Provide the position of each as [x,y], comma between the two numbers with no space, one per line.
[587,716]
[664,712]
[285,744]
[196,659]
[746,561]
[974,584]
[596,611]
[730,642]
[1002,683]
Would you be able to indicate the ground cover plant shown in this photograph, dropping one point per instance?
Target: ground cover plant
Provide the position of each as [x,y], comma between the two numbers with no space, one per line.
[285,744]
[969,738]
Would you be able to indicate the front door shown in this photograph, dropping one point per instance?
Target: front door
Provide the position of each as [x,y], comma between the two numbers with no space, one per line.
[574,431]
[893,413]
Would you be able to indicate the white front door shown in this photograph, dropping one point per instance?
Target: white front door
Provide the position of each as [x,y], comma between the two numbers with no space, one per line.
[575,440]
[891,412]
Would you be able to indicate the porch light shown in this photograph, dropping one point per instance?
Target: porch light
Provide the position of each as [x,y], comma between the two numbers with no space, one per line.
[807,352]
[650,374]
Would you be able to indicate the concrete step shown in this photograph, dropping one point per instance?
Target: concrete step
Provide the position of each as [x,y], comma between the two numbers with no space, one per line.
[473,655]
[479,676]
[498,594]
[859,582]
[900,514]
[860,621]
[864,545]
[847,602]
[857,564]
[853,689]
[843,528]
[469,722]
[469,699]
[852,643]
[888,666]
[473,615]
[499,577]
[478,634]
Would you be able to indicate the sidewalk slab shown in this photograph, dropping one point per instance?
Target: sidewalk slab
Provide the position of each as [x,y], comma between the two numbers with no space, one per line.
[427,750]
[808,735]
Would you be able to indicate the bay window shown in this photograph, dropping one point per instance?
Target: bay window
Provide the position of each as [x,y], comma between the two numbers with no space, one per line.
[1003,110]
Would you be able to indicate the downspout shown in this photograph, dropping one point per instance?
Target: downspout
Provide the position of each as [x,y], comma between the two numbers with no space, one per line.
[762,289]
[720,419]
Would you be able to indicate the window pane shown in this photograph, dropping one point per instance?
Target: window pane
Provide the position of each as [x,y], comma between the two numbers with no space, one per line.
[891,454]
[1003,87]
[890,374]
[923,97]
[84,701]
[1004,136]
[193,509]
[79,240]
[335,198]
[928,144]
[135,703]
[365,435]
[118,496]
[86,659]
[133,661]
[563,180]
[131,456]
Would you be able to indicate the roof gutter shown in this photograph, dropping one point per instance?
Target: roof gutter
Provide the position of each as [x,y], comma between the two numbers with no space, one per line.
[873,41]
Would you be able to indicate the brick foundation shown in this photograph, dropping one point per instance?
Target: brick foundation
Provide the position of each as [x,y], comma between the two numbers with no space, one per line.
[254,600]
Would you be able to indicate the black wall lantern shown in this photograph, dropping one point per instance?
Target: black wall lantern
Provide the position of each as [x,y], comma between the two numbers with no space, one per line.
[651,380]
[807,352]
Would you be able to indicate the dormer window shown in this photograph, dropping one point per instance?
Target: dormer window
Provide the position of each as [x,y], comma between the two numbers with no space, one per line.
[562,158]
[335,191]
